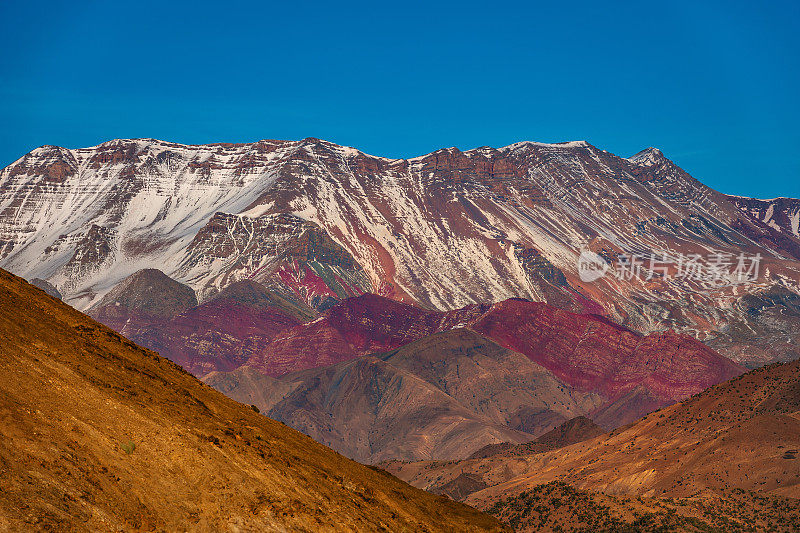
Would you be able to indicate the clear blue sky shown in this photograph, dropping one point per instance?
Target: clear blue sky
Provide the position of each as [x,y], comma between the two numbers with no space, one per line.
[713,84]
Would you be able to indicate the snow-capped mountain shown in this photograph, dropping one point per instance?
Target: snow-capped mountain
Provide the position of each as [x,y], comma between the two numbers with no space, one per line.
[321,222]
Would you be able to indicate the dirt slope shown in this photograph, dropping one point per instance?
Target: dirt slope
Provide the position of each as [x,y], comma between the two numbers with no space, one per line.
[727,459]
[99,434]
[730,453]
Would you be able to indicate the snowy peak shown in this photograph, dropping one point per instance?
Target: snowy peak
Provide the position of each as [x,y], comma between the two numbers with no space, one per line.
[527,146]
[648,157]
[536,144]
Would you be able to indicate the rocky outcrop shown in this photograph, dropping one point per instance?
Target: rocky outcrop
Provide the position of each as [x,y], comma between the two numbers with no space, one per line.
[222,333]
[46,287]
[591,353]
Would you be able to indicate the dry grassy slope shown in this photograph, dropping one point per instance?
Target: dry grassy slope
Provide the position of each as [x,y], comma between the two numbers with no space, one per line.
[73,393]
[742,434]
[558,507]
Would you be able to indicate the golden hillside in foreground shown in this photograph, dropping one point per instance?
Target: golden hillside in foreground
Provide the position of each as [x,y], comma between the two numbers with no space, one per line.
[99,434]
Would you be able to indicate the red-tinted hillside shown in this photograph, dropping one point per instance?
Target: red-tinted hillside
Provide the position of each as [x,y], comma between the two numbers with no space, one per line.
[635,373]
[224,332]
[355,326]
[590,352]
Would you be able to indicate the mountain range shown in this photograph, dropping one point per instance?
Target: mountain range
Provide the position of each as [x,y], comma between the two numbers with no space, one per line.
[141,441]
[318,223]
[369,365]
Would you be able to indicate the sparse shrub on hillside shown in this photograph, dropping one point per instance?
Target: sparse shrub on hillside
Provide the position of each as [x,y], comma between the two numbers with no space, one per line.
[557,506]
[128,447]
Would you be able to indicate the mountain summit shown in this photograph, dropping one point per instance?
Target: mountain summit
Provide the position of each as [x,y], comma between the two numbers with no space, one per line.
[648,157]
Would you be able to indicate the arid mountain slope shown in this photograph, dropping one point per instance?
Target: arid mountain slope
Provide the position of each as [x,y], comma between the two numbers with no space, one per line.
[557,507]
[592,353]
[451,393]
[227,329]
[442,397]
[99,434]
[144,298]
[575,430]
[371,411]
[743,434]
[222,333]
[498,383]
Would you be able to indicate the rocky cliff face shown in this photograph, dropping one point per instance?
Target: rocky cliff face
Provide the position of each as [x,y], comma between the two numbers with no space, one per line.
[320,222]
[780,214]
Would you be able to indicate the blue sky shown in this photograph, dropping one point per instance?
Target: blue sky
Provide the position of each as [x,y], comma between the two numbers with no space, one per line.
[713,84]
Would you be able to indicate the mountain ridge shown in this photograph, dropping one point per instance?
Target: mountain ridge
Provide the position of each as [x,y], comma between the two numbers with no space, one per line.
[318,223]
